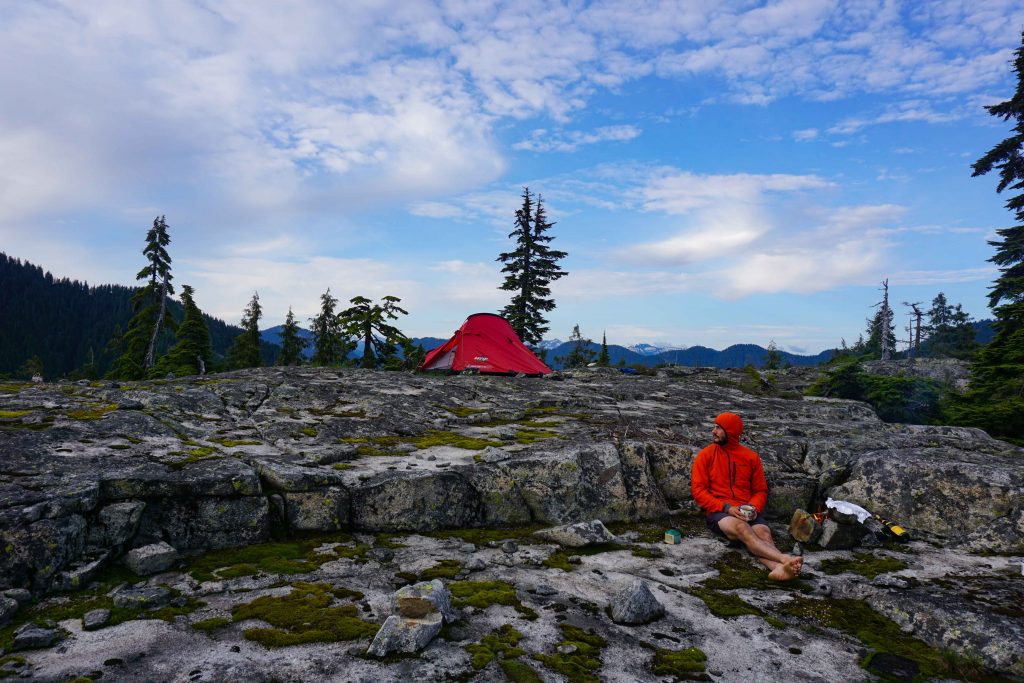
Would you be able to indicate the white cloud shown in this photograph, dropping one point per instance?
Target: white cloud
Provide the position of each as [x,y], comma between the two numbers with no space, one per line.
[805,135]
[940,277]
[436,210]
[681,193]
[541,140]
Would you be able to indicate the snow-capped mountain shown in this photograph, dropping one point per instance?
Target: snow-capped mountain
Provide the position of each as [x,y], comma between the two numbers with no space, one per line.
[548,344]
[645,349]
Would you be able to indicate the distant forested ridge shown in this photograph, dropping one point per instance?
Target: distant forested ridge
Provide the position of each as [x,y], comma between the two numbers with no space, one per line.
[67,324]
[735,356]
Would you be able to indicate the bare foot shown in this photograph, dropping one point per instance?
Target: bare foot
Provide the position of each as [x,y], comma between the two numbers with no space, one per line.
[790,569]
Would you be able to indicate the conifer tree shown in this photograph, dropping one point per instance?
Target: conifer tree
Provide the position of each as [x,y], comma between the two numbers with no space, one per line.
[580,354]
[602,358]
[245,351]
[773,359]
[150,306]
[330,345]
[368,321]
[292,344]
[996,398]
[192,353]
[529,269]
[879,324]
[949,330]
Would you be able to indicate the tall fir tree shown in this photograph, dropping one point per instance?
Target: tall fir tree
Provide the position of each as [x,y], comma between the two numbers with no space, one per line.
[529,269]
[292,345]
[150,306]
[772,357]
[879,324]
[602,358]
[192,353]
[995,401]
[330,345]
[368,322]
[245,351]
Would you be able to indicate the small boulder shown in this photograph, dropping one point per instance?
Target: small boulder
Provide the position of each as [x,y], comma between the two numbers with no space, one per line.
[32,637]
[95,619]
[475,565]
[403,634]
[8,608]
[493,454]
[22,595]
[577,535]
[635,605]
[151,559]
[423,599]
[142,598]
[835,536]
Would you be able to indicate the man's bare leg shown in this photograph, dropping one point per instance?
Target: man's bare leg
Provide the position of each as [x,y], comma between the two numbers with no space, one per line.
[781,567]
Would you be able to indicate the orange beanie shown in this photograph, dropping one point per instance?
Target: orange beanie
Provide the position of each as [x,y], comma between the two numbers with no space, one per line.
[731,423]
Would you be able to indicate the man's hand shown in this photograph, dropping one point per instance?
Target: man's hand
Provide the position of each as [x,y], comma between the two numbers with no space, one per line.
[734,511]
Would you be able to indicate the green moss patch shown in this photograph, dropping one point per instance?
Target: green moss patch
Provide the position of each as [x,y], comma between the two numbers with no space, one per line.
[210,625]
[447,569]
[13,414]
[309,431]
[725,605]
[463,411]
[528,436]
[483,594]
[75,605]
[385,445]
[13,388]
[233,443]
[865,564]
[305,615]
[93,412]
[884,637]
[500,643]
[10,664]
[582,665]
[341,466]
[686,664]
[192,456]
[286,557]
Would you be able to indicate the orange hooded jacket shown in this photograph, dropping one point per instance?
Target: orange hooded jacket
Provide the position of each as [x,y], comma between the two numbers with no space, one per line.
[728,474]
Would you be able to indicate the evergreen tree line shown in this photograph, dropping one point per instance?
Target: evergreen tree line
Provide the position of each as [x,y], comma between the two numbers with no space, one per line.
[190,349]
[59,327]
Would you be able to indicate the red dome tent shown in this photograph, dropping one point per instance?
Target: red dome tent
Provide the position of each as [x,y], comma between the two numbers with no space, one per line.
[485,343]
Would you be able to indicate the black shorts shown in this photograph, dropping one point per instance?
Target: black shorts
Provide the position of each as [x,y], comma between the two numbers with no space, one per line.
[714,517]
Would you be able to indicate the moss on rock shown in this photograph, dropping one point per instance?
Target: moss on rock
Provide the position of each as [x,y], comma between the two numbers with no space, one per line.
[305,615]
[584,662]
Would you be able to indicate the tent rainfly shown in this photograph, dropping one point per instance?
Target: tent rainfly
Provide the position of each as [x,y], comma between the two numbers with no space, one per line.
[485,343]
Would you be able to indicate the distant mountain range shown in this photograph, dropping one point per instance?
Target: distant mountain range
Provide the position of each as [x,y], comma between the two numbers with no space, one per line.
[647,355]
[67,325]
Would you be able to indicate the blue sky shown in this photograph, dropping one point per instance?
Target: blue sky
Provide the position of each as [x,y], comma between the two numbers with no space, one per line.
[718,172]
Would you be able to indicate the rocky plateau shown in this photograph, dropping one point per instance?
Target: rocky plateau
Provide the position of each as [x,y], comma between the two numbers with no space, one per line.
[314,524]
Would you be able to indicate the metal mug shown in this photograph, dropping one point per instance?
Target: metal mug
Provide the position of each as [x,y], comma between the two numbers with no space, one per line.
[749,512]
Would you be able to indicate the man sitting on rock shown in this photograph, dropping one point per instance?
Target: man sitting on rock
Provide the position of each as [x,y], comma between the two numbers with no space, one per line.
[726,476]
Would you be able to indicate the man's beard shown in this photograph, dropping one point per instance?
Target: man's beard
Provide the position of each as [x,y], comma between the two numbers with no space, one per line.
[721,440]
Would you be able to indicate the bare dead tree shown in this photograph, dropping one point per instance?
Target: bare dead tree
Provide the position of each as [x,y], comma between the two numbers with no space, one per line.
[915,334]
